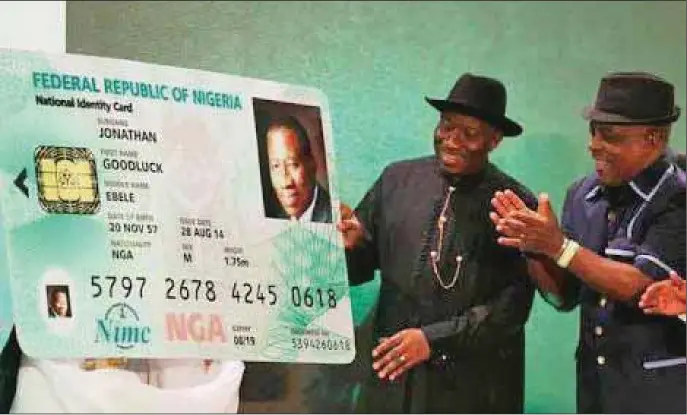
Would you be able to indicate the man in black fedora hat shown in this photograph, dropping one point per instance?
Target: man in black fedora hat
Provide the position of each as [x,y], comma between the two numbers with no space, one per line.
[453,304]
[622,228]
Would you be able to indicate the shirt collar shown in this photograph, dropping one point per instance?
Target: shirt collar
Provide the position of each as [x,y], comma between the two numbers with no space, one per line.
[307,215]
[463,180]
[644,185]
[647,182]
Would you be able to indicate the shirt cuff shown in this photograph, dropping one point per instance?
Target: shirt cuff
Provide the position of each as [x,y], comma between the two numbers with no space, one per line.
[652,266]
[432,334]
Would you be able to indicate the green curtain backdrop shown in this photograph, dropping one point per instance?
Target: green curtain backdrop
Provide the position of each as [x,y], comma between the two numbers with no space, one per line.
[376,61]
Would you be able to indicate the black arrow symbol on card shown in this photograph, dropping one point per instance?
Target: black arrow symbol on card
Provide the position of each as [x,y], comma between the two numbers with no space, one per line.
[19,182]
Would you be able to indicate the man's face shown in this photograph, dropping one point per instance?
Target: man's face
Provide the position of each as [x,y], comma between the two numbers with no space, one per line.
[60,304]
[291,171]
[620,152]
[462,143]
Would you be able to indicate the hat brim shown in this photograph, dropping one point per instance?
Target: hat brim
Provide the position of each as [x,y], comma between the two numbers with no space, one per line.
[590,113]
[508,127]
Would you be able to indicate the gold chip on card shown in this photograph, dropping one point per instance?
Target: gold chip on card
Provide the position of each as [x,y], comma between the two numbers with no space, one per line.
[67,181]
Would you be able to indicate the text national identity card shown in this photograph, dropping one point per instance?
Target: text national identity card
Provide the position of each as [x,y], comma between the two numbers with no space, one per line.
[146,214]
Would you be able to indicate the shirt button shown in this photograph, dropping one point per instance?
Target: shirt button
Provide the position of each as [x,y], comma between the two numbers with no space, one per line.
[603,302]
[601,360]
[598,330]
[443,357]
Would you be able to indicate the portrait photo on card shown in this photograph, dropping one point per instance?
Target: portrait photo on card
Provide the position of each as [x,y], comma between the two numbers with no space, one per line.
[293,166]
[58,301]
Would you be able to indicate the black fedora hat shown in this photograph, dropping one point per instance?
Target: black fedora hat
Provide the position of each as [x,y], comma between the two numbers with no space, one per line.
[480,97]
[633,98]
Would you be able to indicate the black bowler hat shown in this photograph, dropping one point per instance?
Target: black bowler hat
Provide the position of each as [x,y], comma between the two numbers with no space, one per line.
[633,98]
[480,97]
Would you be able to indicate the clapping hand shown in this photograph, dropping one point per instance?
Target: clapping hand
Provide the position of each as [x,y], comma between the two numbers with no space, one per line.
[526,229]
[665,297]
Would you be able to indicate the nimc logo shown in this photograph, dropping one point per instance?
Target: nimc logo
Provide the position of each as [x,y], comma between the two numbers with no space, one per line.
[120,325]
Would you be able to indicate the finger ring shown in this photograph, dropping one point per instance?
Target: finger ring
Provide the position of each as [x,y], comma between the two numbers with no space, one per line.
[401,359]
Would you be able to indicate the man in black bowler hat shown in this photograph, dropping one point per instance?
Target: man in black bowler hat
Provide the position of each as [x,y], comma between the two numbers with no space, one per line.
[622,228]
[453,303]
